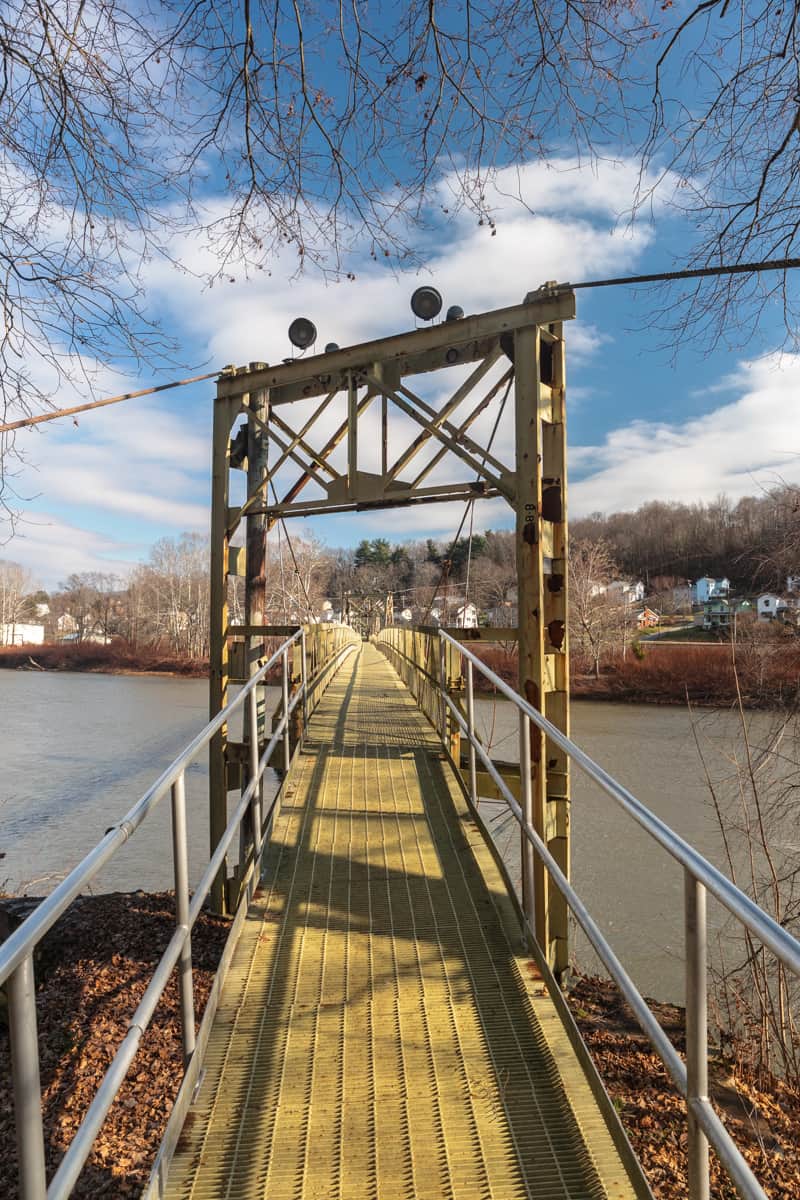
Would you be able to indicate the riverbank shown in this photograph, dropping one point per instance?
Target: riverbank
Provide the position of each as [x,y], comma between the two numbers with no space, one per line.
[766,676]
[96,962]
[93,658]
[716,675]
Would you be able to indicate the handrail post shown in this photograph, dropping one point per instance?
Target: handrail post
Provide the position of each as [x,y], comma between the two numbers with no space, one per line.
[304,678]
[180,859]
[527,863]
[442,690]
[21,989]
[255,804]
[473,773]
[287,754]
[696,1032]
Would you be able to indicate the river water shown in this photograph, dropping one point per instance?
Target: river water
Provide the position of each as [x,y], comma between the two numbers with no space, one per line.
[77,750]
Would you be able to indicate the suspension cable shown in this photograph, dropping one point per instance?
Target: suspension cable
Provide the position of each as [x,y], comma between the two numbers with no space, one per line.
[467,508]
[300,579]
[754,268]
[79,408]
[751,268]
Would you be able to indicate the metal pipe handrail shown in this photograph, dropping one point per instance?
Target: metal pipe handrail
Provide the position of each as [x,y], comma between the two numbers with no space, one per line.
[16,955]
[766,929]
[729,1153]
[30,933]
[700,876]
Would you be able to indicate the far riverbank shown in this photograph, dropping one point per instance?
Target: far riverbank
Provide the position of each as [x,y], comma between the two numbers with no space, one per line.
[93,658]
[763,675]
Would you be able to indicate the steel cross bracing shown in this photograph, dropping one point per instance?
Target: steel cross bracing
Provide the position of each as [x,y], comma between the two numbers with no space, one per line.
[302,457]
[374,373]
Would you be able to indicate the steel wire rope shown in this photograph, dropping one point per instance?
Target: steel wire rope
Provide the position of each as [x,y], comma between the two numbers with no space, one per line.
[470,503]
[752,268]
[300,580]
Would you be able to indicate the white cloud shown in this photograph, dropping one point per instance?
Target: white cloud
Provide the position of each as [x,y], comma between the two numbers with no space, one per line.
[53,549]
[146,462]
[568,231]
[738,448]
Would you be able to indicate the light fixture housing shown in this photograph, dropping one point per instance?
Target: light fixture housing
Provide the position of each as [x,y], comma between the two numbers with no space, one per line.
[426,303]
[454,313]
[330,347]
[302,333]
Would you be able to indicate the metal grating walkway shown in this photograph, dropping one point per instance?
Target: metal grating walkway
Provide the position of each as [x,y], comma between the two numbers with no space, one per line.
[381,1033]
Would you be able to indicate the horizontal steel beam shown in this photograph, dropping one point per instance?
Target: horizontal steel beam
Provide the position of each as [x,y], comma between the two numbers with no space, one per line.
[415,351]
[311,508]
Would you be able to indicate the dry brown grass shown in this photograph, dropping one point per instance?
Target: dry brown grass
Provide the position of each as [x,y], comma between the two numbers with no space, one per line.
[118,656]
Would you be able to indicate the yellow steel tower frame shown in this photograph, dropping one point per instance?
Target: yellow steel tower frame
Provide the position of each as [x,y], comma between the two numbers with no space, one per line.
[521,346]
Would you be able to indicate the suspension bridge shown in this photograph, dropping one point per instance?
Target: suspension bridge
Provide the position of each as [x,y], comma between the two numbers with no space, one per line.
[387,1018]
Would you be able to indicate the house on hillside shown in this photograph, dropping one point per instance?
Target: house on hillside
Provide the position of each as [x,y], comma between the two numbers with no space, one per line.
[793,583]
[767,606]
[707,588]
[716,613]
[504,613]
[771,607]
[648,618]
[627,591]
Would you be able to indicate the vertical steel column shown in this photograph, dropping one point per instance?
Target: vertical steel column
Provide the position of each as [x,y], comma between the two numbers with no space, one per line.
[180,861]
[255,580]
[473,771]
[696,1032]
[530,587]
[225,410]
[352,437]
[21,991]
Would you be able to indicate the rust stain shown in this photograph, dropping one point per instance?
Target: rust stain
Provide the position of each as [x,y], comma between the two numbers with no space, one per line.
[555,583]
[556,631]
[532,696]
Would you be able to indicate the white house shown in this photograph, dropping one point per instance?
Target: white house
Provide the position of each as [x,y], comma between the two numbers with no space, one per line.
[771,607]
[467,616]
[793,583]
[710,589]
[627,590]
[21,635]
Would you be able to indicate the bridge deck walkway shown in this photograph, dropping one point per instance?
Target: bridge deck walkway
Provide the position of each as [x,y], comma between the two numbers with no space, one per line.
[382,1032]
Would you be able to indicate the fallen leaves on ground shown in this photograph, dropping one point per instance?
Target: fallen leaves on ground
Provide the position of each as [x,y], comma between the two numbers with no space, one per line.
[765,1125]
[93,968]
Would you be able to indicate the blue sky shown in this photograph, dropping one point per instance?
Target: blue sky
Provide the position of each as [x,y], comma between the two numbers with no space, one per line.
[644,422]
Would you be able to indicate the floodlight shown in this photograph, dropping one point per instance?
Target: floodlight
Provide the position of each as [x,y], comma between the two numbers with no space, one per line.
[330,347]
[426,303]
[302,333]
[454,313]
